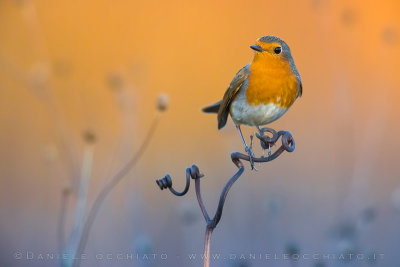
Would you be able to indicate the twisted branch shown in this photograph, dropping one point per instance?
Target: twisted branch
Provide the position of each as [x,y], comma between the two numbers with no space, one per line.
[193,172]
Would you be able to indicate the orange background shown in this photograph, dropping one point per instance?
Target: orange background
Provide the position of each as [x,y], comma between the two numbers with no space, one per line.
[67,67]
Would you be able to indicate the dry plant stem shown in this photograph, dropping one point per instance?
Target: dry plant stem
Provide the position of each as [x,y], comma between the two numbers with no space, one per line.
[31,19]
[193,172]
[80,209]
[109,187]
[48,101]
[18,75]
[61,223]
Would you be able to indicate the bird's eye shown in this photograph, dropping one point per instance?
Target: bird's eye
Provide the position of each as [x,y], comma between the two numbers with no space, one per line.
[278,50]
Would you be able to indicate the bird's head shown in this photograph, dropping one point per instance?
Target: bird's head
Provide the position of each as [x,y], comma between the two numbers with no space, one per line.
[271,47]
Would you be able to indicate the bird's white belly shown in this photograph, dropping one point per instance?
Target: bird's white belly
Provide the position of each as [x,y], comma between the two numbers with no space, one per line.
[242,113]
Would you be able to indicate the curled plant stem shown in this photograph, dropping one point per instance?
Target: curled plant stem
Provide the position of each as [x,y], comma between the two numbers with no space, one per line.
[193,172]
[212,223]
[108,188]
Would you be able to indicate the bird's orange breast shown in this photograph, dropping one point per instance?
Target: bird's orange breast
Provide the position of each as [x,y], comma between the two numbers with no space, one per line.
[271,80]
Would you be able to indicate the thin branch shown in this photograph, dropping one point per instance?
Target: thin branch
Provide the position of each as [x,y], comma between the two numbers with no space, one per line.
[108,188]
[224,193]
[266,142]
[200,200]
[207,243]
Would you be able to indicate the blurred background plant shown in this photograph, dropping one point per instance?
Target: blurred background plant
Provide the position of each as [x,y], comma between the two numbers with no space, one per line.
[69,68]
[38,82]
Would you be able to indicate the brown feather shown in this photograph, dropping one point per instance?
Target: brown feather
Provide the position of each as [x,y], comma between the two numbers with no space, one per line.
[230,94]
[212,108]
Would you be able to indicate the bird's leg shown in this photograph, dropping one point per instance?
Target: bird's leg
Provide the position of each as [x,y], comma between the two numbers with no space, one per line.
[248,149]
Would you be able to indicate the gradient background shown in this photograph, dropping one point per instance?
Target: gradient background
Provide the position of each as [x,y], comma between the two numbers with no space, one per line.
[70,67]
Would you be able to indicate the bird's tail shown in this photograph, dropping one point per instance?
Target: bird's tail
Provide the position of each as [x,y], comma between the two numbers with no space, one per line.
[212,108]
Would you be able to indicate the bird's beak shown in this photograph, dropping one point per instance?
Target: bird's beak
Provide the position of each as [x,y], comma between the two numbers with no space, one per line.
[256,48]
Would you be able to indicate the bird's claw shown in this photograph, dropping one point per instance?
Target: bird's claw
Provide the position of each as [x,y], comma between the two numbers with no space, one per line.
[250,152]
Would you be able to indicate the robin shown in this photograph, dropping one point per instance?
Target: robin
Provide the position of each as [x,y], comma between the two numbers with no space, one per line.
[262,91]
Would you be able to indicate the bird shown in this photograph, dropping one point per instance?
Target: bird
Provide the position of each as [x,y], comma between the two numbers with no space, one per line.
[262,91]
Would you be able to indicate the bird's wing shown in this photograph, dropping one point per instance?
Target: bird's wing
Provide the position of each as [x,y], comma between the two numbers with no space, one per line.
[300,91]
[230,94]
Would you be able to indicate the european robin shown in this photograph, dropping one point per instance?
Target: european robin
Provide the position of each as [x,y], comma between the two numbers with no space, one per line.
[263,90]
